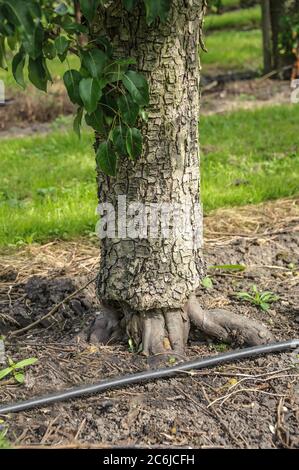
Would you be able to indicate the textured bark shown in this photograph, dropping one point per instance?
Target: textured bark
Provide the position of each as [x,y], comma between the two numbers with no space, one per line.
[146,284]
[149,273]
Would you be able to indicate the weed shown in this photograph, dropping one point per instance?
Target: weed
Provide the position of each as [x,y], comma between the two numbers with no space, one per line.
[260,299]
[207,282]
[16,369]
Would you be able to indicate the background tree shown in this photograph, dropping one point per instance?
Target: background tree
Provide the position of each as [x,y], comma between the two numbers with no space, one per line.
[280,24]
[138,88]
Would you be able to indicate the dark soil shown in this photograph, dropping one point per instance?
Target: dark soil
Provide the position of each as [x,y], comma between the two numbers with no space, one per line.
[249,404]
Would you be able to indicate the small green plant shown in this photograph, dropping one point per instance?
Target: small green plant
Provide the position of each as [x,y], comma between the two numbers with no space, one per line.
[172,360]
[207,282]
[16,369]
[220,347]
[4,444]
[260,299]
[131,346]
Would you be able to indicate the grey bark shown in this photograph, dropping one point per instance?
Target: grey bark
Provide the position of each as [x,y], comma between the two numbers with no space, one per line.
[146,284]
[150,273]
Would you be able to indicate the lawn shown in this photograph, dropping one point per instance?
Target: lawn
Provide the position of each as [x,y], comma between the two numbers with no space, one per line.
[231,50]
[250,156]
[48,188]
[248,18]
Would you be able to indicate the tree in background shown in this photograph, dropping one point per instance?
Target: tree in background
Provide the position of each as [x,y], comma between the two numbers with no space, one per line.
[138,88]
[280,25]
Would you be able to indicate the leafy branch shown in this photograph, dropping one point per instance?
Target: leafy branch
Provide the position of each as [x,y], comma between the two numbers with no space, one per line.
[105,86]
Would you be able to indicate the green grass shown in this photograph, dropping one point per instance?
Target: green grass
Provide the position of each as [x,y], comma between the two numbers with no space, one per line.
[48,182]
[232,50]
[47,187]
[248,18]
[56,68]
[250,156]
[230,3]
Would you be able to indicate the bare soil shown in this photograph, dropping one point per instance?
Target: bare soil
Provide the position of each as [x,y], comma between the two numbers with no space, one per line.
[26,112]
[249,404]
[33,112]
[222,97]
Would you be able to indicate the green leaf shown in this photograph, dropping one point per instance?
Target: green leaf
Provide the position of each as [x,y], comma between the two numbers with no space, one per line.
[20,377]
[5,372]
[18,64]
[25,362]
[106,158]
[156,9]
[94,61]
[90,92]
[12,42]
[61,9]
[38,73]
[244,296]
[119,140]
[77,122]
[104,42]
[49,50]
[264,306]
[115,70]
[96,120]
[207,282]
[73,27]
[19,13]
[11,362]
[129,4]
[61,45]
[143,114]
[89,8]
[134,143]
[137,86]
[229,267]
[33,43]
[3,63]
[71,80]
[128,109]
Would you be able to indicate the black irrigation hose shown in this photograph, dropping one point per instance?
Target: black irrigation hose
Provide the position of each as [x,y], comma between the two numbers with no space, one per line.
[149,375]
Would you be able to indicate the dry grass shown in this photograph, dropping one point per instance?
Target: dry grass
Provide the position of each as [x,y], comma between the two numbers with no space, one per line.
[252,220]
[81,257]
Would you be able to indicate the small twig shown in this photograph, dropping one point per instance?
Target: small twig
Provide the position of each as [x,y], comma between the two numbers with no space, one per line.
[221,421]
[225,397]
[273,72]
[80,429]
[52,311]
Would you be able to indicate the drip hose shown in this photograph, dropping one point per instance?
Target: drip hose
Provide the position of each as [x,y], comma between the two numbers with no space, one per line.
[147,375]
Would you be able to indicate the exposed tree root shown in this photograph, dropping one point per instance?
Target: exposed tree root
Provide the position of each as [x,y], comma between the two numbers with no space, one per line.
[164,333]
[106,328]
[226,326]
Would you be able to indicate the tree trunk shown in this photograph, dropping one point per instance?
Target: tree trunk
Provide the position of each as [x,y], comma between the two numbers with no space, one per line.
[277,9]
[281,34]
[145,282]
[266,29]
